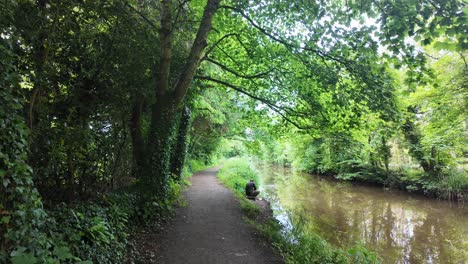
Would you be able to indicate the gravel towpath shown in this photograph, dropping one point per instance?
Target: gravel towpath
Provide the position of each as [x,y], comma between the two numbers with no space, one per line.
[210,229]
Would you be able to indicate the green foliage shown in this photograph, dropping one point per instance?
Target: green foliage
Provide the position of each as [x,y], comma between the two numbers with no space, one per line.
[21,211]
[155,207]
[74,73]
[214,116]
[310,248]
[96,232]
[194,166]
[344,102]
[235,173]
[437,113]
[301,245]
[360,254]
[452,185]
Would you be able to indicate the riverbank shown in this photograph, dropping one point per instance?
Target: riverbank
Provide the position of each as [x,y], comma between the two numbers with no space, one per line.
[295,244]
[451,185]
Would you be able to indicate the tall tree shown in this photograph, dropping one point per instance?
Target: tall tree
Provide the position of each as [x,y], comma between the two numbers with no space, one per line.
[170,95]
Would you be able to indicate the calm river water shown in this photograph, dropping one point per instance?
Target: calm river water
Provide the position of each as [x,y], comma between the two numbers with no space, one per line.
[400,227]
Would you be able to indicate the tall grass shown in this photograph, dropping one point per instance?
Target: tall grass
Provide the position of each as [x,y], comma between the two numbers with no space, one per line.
[453,185]
[235,173]
[297,246]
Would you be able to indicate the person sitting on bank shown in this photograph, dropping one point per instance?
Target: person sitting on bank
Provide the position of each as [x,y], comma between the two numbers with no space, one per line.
[251,189]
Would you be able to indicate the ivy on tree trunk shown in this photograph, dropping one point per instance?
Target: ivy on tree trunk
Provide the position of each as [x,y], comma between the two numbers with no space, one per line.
[180,150]
[169,98]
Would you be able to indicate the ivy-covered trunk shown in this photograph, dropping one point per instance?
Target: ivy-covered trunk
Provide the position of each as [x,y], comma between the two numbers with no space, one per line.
[180,150]
[21,212]
[170,93]
[156,169]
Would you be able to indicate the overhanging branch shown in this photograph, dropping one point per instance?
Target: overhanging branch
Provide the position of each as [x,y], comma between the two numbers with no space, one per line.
[277,109]
[224,67]
[142,16]
[282,41]
[195,55]
[210,49]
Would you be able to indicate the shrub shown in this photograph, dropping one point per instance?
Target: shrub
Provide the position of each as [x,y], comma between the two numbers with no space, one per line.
[95,231]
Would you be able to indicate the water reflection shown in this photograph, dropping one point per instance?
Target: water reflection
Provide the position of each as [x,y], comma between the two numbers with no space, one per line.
[402,228]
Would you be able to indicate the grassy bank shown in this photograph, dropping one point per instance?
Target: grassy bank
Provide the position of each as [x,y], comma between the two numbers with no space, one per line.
[296,245]
[450,184]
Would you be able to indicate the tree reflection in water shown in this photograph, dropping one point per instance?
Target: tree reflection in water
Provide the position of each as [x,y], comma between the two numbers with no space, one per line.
[401,227]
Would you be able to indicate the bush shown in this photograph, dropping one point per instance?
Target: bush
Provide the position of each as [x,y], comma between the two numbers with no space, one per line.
[97,231]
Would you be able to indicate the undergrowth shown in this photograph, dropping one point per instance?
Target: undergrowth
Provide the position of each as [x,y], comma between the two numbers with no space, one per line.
[98,231]
[297,246]
[450,184]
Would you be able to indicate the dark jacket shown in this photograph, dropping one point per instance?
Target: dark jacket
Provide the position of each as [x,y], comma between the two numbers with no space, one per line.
[250,188]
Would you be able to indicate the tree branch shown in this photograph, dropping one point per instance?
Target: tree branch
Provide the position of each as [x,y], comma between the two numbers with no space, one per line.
[270,104]
[142,16]
[179,10]
[204,109]
[282,41]
[210,49]
[166,47]
[230,57]
[222,66]
[198,46]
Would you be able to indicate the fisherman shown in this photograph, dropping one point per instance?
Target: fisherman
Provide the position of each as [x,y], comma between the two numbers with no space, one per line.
[251,189]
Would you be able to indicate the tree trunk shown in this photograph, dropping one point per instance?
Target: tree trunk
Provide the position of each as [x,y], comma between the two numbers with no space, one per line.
[413,136]
[158,153]
[180,150]
[40,58]
[386,154]
[170,96]
[137,136]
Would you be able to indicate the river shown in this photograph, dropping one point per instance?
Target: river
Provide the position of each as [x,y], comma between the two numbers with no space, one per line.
[399,226]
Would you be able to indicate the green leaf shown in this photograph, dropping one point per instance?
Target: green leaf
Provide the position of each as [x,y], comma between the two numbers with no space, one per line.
[24,259]
[5,219]
[63,253]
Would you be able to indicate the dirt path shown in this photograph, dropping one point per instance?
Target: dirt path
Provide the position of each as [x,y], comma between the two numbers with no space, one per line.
[210,229]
